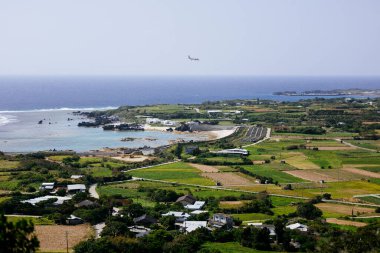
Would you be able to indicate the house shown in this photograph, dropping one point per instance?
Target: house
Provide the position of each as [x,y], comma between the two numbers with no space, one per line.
[298,226]
[139,231]
[186,200]
[76,176]
[86,203]
[59,200]
[271,228]
[219,220]
[233,151]
[144,220]
[180,216]
[196,206]
[189,226]
[47,186]
[73,220]
[196,212]
[75,188]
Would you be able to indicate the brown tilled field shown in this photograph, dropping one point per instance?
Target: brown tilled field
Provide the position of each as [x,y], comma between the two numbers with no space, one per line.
[346,222]
[53,237]
[311,175]
[204,168]
[363,172]
[343,209]
[228,178]
[328,175]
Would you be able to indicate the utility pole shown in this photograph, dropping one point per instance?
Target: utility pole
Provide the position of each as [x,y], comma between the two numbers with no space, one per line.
[67,242]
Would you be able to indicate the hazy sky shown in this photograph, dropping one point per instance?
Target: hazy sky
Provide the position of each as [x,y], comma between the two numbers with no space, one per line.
[234,37]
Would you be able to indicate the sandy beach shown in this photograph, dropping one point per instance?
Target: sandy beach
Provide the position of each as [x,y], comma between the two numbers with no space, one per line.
[211,135]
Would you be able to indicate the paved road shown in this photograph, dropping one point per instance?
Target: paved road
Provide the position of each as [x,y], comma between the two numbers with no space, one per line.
[93,192]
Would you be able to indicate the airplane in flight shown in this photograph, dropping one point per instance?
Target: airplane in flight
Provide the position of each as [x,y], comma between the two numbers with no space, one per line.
[192,59]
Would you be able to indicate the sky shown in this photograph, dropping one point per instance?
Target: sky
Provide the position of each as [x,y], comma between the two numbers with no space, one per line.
[230,37]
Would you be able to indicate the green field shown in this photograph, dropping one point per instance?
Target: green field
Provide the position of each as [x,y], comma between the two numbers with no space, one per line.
[8,165]
[371,199]
[371,144]
[231,247]
[277,175]
[175,172]
[35,220]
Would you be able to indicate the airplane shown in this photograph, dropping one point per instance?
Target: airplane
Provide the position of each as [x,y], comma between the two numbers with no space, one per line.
[192,59]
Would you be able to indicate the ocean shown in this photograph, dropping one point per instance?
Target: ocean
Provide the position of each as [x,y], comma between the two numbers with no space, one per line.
[26,100]
[30,93]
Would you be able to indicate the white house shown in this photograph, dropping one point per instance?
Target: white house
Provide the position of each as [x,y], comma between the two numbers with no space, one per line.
[196,206]
[298,226]
[189,226]
[59,201]
[47,186]
[74,188]
[236,151]
[180,216]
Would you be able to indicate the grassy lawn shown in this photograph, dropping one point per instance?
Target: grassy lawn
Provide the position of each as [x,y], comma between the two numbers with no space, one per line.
[277,175]
[8,165]
[229,159]
[371,199]
[58,158]
[176,172]
[252,216]
[231,247]
[99,171]
[371,144]
[35,220]
[9,185]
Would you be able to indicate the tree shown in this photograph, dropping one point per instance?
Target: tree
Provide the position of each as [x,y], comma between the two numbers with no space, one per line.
[308,211]
[17,237]
[168,222]
[116,228]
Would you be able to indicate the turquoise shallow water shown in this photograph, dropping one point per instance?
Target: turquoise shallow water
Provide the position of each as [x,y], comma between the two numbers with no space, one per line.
[21,133]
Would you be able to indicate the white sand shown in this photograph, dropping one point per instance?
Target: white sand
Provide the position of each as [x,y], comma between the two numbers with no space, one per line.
[211,135]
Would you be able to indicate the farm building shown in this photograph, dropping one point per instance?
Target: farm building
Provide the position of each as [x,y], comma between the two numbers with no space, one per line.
[298,226]
[47,186]
[59,201]
[189,226]
[196,206]
[180,216]
[271,228]
[144,220]
[186,200]
[74,220]
[139,231]
[75,188]
[233,151]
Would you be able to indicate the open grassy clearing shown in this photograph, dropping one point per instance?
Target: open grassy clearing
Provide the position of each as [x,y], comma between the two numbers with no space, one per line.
[277,175]
[35,220]
[299,160]
[370,199]
[229,178]
[337,210]
[8,165]
[363,173]
[372,169]
[231,247]
[98,171]
[229,159]
[371,144]
[176,172]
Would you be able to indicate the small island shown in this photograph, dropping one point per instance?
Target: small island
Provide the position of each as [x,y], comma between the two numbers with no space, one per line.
[335,92]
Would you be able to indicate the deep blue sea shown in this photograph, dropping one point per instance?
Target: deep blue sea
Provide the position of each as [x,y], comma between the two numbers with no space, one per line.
[26,100]
[27,93]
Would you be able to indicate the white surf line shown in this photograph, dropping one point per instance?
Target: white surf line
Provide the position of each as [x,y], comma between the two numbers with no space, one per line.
[267,137]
